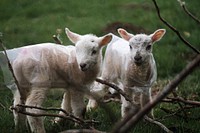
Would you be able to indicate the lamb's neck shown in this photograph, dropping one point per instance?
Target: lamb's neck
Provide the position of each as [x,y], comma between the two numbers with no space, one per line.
[139,75]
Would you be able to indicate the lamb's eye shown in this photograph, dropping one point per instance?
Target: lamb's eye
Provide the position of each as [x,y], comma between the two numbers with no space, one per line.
[148,47]
[130,46]
[94,52]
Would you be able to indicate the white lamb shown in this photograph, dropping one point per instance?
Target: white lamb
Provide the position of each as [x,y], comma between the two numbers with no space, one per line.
[43,66]
[129,62]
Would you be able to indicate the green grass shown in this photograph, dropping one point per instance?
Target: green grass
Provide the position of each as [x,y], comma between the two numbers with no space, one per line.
[29,22]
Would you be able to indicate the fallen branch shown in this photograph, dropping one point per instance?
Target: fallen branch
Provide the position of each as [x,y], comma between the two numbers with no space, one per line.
[182,100]
[66,116]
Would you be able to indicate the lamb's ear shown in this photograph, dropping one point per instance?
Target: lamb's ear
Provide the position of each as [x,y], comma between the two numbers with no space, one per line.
[124,34]
[157,35]
[74,37]
[105,40]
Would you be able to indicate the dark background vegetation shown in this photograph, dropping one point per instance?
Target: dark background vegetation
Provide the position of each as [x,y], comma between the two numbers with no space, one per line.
[29,22]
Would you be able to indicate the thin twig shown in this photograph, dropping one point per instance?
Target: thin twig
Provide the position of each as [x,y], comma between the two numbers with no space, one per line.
[180,99]
[131,119]
[188,12]
[56,39]
[22,98]
[82,131]
[172,113]
[2,106]
[174,29]
[157,123]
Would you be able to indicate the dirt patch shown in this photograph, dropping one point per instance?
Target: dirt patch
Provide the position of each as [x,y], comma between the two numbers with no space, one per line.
[112,27]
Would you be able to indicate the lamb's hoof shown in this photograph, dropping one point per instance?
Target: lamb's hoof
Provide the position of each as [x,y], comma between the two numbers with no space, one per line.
[92,104]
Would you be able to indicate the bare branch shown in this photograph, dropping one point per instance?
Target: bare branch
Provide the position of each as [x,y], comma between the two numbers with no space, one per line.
[57,39]
[115,87]
[82,131]
[130,120]
[174,29]
[2,106]
[157,123]
[22,98]
[180,99]
[188,12]
[66,116]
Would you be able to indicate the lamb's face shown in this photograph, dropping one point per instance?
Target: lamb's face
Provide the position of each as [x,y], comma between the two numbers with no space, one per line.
[140,48]
[88,52]
[88,49]
[141,44]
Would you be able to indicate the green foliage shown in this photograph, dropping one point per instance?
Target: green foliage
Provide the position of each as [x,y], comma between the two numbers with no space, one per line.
[28,22]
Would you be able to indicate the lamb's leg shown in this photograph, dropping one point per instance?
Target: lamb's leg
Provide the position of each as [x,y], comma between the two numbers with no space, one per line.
[19,119]
[65,105]
[146,98]
[36,98]
[97,91]
[77,103]
[126,105]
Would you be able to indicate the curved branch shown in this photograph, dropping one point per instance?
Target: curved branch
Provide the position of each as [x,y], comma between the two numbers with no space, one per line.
[174,29]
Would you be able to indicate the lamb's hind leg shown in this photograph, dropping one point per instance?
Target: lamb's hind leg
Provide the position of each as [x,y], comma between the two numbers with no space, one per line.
[36,98]
[19,119]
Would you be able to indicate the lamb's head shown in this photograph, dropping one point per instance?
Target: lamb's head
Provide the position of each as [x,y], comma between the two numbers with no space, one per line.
[141,44]
[88,49]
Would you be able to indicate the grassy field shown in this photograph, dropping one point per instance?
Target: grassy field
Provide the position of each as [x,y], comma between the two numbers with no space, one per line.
[28,22]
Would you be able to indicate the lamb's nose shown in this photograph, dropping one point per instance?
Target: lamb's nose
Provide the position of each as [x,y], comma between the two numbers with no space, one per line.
[83,65]
[138,57]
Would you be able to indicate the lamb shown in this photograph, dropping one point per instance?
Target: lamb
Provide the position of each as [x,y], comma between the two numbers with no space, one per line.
[43,66]
[129,63]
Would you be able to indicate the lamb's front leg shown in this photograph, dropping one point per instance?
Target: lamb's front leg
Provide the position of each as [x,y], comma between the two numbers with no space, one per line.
[127,105]
[65,105]
[77,103]
[145,99]
[36,98]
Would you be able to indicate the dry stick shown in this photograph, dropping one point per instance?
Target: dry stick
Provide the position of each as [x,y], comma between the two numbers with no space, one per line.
[2,106]
[188,12]
[172,113]
[52,109]
[57,40]
[22,98]
[180,99]
[130,120]
[180,105]
[157,123]
[66,116]
[173,29]
[82,131]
